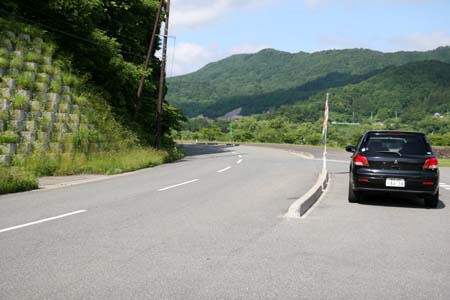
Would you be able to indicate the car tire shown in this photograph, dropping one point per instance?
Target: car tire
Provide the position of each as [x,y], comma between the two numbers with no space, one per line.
[432,201]
[353,196]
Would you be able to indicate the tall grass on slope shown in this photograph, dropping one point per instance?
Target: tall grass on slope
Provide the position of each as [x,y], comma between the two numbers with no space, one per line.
[14,180]
[112,162]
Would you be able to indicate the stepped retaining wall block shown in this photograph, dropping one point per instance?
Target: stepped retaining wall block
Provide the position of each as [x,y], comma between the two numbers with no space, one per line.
[4,104]
[5,159]
[7,93]
[66,89]
[26,93]
[17,125]
[55,97]
[10,82]
[19,115]
[64,108]
[25,148]
[31,67]
[18,53]
[50,116]
[47,60]
[10,34]
[41,86]
[8,149]
[2,126]
[25,37]
[35,115]
[32,125]
[43,77]
[35,106]
[2,72]
[66,98]
[28,136]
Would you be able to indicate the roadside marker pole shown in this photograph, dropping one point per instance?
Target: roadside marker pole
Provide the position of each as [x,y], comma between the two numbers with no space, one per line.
[325,132]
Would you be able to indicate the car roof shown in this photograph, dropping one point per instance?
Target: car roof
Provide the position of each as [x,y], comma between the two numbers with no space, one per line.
[393,132]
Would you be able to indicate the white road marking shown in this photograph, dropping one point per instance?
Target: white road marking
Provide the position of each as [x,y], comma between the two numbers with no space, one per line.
[240,156]
[43,220]
[239,161]
[223,170]
[177,185]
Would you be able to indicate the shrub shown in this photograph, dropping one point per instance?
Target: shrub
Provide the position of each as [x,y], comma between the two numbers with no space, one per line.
[19,102]
[55,86]
[32,56]
[30,67]
[4,63]
[16,62]
[48,49]
[39,87]
[4,52]
[9,138]
[48,69]
[70,79]
[13,179]
[24,81]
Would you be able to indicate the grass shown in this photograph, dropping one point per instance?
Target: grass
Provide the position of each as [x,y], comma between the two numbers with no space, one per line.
[4,63]
[444,162]
[97,163]
[8,138]
[20,102]
[14,180]
[24,81]
[32,56]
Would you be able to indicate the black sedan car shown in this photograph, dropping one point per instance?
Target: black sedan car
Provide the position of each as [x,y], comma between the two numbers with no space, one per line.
[394,162]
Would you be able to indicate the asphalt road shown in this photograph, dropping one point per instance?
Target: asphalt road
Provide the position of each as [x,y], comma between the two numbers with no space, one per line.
[212,227]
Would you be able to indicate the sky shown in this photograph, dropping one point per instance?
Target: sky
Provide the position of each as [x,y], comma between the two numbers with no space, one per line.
[209,30]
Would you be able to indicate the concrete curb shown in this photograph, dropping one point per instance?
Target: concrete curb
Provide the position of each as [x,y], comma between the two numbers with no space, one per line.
[302,205]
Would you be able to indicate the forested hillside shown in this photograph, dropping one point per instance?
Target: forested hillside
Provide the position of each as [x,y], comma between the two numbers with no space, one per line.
[105,42]
[268,79]
[415,96]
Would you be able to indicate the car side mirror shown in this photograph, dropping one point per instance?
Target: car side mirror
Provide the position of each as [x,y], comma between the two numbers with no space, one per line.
[351,149]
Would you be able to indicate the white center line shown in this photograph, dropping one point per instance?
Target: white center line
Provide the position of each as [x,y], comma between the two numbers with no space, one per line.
[240,156]
[239,161]
[43,220]
[177,185]
[223,170]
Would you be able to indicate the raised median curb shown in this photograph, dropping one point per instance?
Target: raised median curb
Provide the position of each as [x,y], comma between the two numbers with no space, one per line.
[302,205]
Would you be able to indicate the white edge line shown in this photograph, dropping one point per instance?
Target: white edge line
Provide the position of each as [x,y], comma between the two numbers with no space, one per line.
[239,161]
[223,170]
[43,220]
[177,185]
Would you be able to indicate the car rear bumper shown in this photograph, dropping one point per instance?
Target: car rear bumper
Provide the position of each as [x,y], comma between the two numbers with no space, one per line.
[375,181]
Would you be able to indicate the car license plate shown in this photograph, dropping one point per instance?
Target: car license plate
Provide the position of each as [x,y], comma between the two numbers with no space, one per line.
[395,182]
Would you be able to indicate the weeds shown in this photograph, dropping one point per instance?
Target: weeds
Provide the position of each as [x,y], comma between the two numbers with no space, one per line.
[8,138]
[24,81]
[19,102]
[16,180]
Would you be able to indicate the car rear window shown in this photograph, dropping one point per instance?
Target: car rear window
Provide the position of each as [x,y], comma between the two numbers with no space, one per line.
[401,144]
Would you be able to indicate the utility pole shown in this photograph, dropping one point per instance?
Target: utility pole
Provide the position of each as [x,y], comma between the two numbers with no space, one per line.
[150,48]
[162,78]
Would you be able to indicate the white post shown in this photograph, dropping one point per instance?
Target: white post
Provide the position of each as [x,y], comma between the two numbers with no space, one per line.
[325,133]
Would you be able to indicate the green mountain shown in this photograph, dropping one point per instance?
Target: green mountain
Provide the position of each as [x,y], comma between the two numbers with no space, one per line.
[411,92]
[269,79]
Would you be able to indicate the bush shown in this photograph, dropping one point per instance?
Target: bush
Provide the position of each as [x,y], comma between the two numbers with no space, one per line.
[20,102]
[70,80]
[24,81]
[8,138]
[16,62]
[4,52]
[55,86]
[32,56]
[4,63]
[16,180]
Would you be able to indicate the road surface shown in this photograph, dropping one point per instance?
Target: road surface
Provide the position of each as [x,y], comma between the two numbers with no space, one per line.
[212,227]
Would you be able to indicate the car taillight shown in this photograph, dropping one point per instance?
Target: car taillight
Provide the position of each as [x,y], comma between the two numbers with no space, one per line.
[431,164]
[361,160]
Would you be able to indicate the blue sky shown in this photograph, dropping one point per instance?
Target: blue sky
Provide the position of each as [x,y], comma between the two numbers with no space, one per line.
[209,30]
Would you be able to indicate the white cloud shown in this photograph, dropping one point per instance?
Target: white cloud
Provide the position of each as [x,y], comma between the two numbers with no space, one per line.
[421,41]
[195,13]
[190,57]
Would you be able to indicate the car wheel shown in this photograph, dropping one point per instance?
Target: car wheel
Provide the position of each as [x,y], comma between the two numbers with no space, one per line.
[432,201]
[353,196]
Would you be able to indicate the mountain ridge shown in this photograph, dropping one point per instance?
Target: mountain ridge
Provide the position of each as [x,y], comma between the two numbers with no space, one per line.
[241,76]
